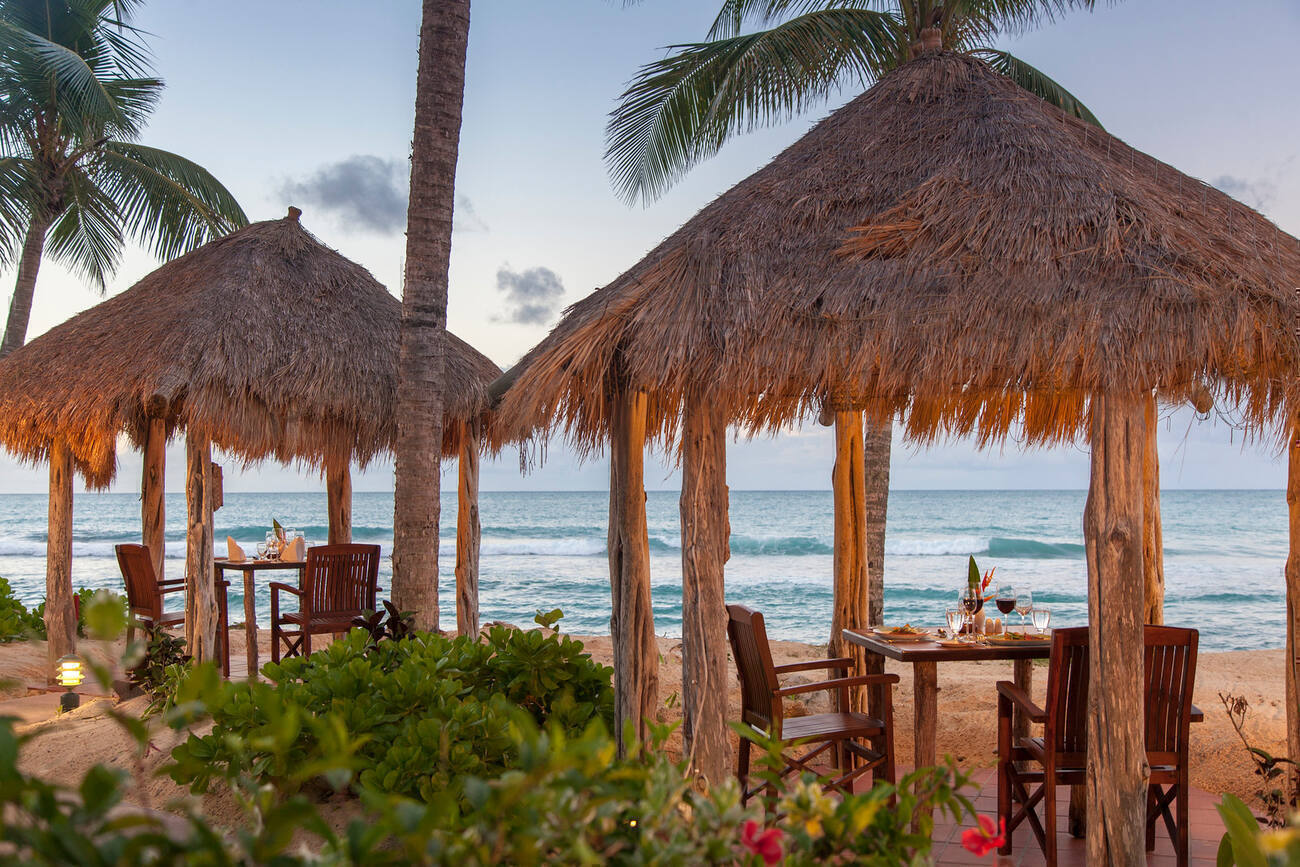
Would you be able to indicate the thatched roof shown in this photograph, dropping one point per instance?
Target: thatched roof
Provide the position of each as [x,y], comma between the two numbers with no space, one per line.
[274,343]
[946,245]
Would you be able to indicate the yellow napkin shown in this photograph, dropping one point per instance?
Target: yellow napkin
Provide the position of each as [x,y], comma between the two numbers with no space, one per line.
[234,553]
[295,551]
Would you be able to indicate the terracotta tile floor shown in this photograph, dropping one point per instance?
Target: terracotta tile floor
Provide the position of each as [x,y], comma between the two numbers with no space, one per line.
[1206,829]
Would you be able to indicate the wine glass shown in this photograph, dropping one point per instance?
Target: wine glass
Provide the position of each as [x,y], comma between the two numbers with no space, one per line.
[272,545]
[262,548]
[1042,617]
[1006,599]
[1024,605]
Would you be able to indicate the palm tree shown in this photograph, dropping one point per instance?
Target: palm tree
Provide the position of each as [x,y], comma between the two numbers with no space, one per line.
[439,95]
[680,110]
[74,180]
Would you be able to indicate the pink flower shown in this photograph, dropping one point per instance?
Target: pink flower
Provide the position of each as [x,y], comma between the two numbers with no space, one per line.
[765,844]
[981,840]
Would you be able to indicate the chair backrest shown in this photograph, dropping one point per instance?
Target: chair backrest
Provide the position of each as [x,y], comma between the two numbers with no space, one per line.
[340,579]
[142,594]
[760,705]
[1170,663]
[1066,730]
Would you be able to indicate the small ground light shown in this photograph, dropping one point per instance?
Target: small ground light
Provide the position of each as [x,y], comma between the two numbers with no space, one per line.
[69,675]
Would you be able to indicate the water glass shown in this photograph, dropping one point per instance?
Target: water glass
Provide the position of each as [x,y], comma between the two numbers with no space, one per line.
[262,549]
[1042,617]
[956,619]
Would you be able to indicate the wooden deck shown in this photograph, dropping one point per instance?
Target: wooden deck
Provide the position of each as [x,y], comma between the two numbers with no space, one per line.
[1205,827]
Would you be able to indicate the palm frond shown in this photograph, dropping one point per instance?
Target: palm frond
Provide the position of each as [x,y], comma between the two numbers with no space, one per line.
[735,14]
[18,190]
[1009,16]
[87,237]
[1036,82]
[168,203]
[33,61]
[680,110]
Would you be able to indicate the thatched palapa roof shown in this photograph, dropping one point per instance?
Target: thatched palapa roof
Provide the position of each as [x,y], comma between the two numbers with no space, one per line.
[948,246]
[275,344]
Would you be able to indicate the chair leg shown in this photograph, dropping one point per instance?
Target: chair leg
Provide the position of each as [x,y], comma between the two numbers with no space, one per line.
[1183,844]
[742,768]
[1153,815]
[1049,815]
[306,640]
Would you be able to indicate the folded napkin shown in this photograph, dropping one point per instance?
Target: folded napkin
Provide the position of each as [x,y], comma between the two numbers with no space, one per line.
[295,551]
[235,554]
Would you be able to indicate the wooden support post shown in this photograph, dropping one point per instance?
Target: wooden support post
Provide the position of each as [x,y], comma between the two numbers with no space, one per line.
[876,453]
[636,654]
[706,547]
[850,602]
[60,616]
[153,512]
[1022,674]
[1293,606]
[338,491]
[467,533]
[1153,546]
[200,593]
[1112,530]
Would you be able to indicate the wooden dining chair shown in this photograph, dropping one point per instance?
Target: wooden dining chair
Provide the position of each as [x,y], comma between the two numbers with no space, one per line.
[852,736]
[144,598]
[339,582]
[1060,756]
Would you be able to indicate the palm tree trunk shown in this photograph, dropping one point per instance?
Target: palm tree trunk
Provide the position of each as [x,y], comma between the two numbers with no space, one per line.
[439,97]
[20,308]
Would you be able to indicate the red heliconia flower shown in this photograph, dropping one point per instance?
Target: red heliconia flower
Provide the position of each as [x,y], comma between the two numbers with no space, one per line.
[764,844]
[982,840]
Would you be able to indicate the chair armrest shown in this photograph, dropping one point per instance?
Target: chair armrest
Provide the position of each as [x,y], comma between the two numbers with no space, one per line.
[288,588]
[839,683]
[844,662]
[1020,698]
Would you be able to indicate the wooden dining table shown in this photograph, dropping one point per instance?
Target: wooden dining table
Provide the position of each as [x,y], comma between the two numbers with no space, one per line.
[250,568]
[925,656]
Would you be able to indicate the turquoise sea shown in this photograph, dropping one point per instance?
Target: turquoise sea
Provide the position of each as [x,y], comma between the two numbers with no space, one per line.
[1224,553]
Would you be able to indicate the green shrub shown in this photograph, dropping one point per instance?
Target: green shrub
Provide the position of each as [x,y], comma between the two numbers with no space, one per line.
[428,712]
[85,596]
[16,622]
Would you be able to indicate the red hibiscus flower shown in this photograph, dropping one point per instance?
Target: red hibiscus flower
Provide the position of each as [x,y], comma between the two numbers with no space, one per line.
[764,844]
[981,840]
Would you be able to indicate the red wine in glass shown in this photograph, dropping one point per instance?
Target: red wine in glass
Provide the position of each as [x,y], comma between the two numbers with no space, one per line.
[1006,599]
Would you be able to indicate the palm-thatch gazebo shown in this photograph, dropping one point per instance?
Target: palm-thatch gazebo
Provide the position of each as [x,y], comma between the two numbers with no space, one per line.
[953,250]
[265,344]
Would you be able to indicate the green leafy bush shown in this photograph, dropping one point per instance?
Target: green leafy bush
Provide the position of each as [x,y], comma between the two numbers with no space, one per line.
[16,622]
[427,712]
[1247,844]
[85,596]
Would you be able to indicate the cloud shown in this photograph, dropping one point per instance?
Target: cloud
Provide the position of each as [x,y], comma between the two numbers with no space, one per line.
[532,296]
[369,193]
[1258,194]
[464,218]
[363,191]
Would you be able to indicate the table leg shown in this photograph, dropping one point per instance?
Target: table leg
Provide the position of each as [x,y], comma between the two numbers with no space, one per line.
[250,623]
[1078,820]
[925,679]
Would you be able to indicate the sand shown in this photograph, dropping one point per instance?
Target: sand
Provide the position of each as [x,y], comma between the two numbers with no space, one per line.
[66,746]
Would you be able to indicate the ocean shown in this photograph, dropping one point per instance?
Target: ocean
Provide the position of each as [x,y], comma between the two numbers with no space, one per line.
[1224,553]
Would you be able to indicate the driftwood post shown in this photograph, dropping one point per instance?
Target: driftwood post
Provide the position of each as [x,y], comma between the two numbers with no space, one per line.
[338,491]
[1112,529]
[1293,604]
[850,603]
[60,616]
[153,512]
[706,547]
[636,654]
[1153,547]
[467,533]
[200,595]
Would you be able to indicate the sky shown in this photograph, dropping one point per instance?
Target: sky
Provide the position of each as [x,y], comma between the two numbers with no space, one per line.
[310,103]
